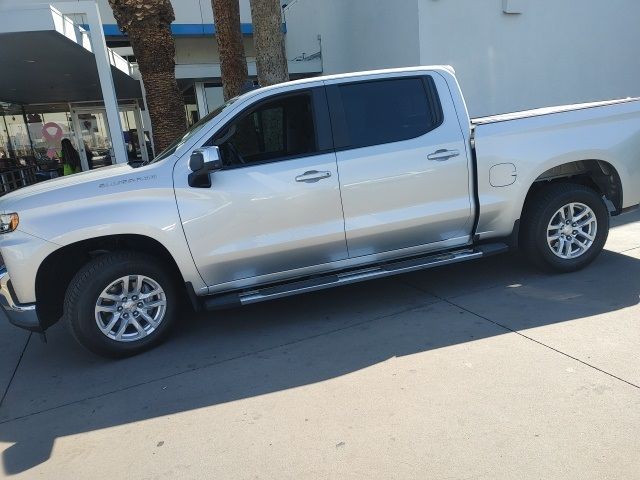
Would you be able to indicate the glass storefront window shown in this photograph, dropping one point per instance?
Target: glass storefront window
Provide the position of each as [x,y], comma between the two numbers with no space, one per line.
[19,164]
[94,133]
[214,96]
[32,136]
[17,133]
[47,131]
[191,111]
[190,106]
[6,149]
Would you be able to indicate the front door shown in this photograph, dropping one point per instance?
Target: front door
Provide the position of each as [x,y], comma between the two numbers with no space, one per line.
[275,206]
[403,164]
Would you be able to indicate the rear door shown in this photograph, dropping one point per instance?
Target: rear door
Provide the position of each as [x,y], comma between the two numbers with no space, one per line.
[403,164]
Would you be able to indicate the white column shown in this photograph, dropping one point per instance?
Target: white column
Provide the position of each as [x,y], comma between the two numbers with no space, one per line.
[77,131]
[147,117]
[140,128]
[201,99]
[99,47]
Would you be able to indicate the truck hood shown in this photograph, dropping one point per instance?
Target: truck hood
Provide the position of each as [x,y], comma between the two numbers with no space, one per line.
[62,182]
[77,187]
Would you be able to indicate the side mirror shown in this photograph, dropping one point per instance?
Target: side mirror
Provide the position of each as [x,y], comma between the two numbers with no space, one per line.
[202,162]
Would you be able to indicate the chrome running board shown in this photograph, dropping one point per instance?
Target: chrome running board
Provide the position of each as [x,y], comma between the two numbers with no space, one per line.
[351,276]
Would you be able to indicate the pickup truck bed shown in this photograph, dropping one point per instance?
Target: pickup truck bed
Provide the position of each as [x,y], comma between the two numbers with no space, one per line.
[503,117]
[517,150]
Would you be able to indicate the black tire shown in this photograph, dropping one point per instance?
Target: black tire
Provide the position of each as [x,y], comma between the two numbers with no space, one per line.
[85,289]
[538,212]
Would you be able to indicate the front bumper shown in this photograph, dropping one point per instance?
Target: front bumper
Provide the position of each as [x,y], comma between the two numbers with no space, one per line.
[22,315]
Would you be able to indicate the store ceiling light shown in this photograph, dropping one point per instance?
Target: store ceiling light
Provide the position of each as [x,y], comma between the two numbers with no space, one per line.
[30,61]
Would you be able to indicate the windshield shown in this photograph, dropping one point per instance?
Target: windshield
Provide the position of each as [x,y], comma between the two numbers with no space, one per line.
[195,128]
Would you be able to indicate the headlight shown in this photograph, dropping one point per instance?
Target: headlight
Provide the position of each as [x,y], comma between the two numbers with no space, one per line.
[9,222]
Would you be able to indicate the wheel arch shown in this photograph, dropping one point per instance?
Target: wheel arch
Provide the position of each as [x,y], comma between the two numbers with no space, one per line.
[59,267]
[599,175]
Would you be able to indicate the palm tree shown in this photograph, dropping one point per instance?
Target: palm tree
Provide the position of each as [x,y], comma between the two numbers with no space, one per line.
[271,61]
[148,25]
[233,63]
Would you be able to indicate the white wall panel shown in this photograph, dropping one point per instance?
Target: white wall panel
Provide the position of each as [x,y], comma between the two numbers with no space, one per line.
[554,52]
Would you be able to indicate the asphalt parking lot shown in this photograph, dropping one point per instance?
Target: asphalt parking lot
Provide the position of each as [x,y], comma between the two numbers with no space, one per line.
[484,370]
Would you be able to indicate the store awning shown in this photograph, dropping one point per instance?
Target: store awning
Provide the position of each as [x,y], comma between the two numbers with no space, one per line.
[46,58]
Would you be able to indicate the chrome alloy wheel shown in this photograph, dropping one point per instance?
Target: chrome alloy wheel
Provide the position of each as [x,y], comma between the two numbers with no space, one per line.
[130,308]
[572,230]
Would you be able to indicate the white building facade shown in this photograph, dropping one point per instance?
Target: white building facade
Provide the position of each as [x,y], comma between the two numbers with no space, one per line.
[508,54]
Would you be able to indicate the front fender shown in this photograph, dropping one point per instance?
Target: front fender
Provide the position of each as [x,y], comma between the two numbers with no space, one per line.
[151,216]
[149,211]
[22,255]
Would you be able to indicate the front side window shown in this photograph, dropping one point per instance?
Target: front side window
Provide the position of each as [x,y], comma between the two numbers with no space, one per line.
[384,111]
[280,128]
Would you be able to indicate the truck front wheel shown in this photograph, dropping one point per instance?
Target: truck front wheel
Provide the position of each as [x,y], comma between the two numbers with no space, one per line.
[565,227]
[120,304]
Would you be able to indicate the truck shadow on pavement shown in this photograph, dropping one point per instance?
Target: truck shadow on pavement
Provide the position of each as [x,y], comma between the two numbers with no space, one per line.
[214,358]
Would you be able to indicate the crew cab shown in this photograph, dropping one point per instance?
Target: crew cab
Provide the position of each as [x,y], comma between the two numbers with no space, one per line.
[308,185]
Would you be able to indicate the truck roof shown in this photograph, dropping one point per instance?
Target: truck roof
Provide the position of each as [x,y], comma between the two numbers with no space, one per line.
[421,68]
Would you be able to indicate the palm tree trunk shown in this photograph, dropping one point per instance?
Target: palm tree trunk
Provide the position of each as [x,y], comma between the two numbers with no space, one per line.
[269,40]
[233,63]
[148,26]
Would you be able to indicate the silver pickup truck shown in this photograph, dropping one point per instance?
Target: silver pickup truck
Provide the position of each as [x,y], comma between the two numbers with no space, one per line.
[308,185]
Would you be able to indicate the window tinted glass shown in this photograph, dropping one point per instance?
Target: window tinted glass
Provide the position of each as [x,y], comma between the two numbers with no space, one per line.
[280,128]
[386,111]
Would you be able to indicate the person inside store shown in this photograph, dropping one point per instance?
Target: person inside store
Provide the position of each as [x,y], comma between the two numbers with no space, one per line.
[70,158]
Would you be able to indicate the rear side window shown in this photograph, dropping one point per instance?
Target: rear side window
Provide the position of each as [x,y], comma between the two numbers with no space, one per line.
[383,111]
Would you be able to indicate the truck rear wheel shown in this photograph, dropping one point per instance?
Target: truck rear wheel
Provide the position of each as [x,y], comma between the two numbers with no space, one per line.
[565,227]
[120,304]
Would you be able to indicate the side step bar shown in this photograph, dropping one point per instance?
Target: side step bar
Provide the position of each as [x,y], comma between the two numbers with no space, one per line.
[351,276]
